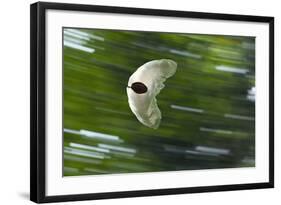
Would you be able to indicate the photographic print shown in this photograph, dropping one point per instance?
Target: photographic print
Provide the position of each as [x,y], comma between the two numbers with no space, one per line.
[130,102]
[137,101]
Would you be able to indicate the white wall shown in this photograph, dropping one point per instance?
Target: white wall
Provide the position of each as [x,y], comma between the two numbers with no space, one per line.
[14,101]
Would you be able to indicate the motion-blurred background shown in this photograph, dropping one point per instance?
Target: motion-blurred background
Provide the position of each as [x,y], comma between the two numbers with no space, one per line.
[208,106]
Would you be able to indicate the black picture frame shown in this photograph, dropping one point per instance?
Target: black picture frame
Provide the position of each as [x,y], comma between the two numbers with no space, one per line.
[38,101]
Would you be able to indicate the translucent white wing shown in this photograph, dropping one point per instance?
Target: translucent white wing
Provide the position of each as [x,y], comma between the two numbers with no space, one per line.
[153,75]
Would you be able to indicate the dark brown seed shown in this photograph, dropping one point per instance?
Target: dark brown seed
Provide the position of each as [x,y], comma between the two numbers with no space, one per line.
[139,87]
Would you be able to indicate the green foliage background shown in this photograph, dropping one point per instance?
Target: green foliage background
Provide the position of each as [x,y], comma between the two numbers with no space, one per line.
[207,107]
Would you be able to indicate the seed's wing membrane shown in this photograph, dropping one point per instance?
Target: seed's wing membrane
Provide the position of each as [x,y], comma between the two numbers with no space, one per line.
[152,74]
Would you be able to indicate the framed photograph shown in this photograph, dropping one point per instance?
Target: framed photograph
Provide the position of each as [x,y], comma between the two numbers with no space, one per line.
[129,102]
